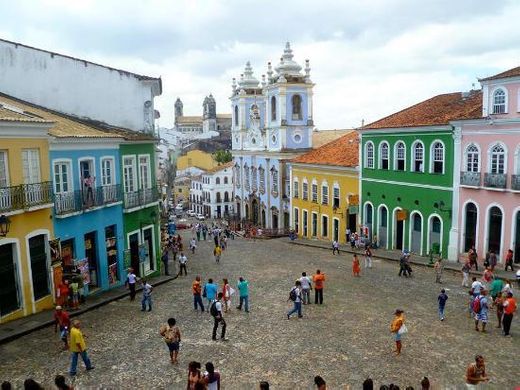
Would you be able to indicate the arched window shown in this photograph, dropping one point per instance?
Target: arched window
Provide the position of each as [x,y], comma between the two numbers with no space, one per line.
[225,180]
[369,155]
[497,159]
[261,174]
[273,108]
[499,101]
[296,107]
[324,193]
[418,157]
[384,155]
[400,156]
[305,190]
[437,157]
[296,192]
[236,115]
[274,178]
[472,158]
[219,200]
[226,196]
[217,180]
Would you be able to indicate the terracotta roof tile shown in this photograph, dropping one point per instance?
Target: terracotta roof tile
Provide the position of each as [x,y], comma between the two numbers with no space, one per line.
[343,151]
[438,110]
[220,167]
[322,137]
[8,113]
[515,72]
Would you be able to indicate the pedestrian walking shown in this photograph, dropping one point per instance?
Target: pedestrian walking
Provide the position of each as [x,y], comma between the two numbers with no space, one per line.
[195,378]
[509,260]
[243,290]
[217,252]
[476,373]
[438,267]
[218,318]
[210,289]
[62,293]
[172,337]
[175,249]
[492,260]
[318,280]
[306,288]
[356,269]
[295,295]
[335,247]
[183,260]
[62,321]
[193,245]
[441,299]
[147,295]
[465,273]
[196,289]
[507,287]
[347,235]
[78,347]
[74,290]
[476,286]
[368,256]
[499,306]
[227,291]
[496,287]
[212,377]
[398,328]
[165,257]
[404,266]
[352,241]
[473,257]
[131,279]
[198,231]
[204,231]
[480,308]
[509,310]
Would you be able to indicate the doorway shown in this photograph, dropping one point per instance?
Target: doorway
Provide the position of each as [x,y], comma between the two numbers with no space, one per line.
[383,227]
[39,266]
[517,238]
[416,236]
[495,230]
[399,227]
[133,243]
[91,255]
[305,219]
[435,235]
[149,264]
[351,222]
[8,280]
[368,219]
[254,206]
[275,221]
[286,220]
[264,224]
[335,229]
[470,227]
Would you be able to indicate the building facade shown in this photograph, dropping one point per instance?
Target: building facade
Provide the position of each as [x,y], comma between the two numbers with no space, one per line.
[209,121]
[272,123]
[197,195]
[325,190]
[217,191]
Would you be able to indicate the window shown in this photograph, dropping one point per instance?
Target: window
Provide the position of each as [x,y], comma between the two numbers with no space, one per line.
[499,101]
[498,155]
[324,226]
[219,199]
[217,180]
[225,180]
[4,172]
[275,180]
[296,220]
[254,178]
[236,115]
[472,158]
[62,177]
[295,189]
[273,108]
[107,171]
[261,173]
[226,197]
[314,190]
[418,157]
[324,194]
[314,226]
[31,166]
[369,155]
[335,202]
[305,190]
[383,156]
[296,107]
[400,156]
[246,177]
[129,179]
[144,172]
[437,153]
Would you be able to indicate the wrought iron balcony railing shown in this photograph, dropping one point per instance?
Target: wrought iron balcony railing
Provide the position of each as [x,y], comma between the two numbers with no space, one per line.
[79,200]
[470,179]
[495,180]
[515,182]
[25,196]
[141,197]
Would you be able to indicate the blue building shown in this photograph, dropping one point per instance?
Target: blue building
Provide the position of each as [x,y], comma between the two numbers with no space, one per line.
[272,122]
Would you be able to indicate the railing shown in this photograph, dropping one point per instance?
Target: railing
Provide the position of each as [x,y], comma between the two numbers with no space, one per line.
[141,197]
[470,179]
[79,200]
[495,180]
[515,182]
[25,196]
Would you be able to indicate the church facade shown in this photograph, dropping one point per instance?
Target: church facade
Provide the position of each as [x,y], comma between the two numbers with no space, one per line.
[272,122]
[193,126]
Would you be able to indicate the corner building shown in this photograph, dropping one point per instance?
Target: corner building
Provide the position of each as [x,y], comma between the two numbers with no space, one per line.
[271,123]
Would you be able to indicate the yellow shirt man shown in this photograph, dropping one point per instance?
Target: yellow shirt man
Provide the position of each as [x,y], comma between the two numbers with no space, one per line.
[77,342]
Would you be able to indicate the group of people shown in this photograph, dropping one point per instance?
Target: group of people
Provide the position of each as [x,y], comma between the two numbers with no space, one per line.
[300,292]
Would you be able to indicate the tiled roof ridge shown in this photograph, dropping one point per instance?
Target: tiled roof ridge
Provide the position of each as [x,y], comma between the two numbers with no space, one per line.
[220,167]
[334,149]
[513,72]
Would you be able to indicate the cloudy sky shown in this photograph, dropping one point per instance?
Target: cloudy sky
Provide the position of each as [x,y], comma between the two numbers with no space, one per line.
[368,58]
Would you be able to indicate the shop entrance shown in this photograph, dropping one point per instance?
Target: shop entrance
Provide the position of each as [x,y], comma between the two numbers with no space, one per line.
[91,254]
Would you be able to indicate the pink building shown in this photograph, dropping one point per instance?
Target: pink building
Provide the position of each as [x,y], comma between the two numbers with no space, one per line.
[487,211]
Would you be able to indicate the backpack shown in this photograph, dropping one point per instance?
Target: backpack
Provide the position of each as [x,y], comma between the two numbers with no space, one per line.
[475,306]
[213,309]
[292,295]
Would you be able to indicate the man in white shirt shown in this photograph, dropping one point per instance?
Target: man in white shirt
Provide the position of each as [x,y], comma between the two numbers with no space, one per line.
[306,288]
[216,311]
[476,287]
[131,278]
[296,296]
[182,263]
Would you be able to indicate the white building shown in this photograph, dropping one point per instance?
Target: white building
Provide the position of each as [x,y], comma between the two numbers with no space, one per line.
[196,195]
[213,192]
[79,87]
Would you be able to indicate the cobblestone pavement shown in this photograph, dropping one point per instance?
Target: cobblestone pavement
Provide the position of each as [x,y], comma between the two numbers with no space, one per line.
[345,340]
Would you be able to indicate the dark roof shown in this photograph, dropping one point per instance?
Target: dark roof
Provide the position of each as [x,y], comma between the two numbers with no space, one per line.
[343,151]
[438,110]
[515,72]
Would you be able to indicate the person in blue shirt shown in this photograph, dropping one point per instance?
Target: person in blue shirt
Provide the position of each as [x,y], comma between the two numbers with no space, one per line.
[442,298]
[210,290]
[243,289]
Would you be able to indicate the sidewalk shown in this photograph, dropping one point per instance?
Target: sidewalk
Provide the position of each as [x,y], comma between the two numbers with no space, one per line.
[22,326]
[394,255]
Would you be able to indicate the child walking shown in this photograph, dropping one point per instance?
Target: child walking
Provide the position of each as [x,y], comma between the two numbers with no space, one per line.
[356,269]
[442,298]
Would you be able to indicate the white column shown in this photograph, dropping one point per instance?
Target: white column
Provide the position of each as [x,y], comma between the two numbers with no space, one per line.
[453,246]
[291,217]
[268,193]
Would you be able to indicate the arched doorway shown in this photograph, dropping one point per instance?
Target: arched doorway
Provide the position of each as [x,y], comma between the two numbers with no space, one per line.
[517,238]
[275,221]
[435,234]
[264,222]
[383,227]
[247,211]
[368,219]
[494,230]
[398,237]
[254,206]
[416,233]
[335,229]
[470,226]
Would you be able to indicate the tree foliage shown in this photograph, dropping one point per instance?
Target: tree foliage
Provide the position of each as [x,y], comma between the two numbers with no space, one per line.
[222,156]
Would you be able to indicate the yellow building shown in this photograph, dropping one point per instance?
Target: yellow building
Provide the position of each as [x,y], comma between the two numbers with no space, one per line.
[325,190]
[181,190]
[195,159]
[26,279]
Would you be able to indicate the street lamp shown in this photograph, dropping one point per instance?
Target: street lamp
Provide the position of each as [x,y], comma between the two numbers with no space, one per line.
[5,224]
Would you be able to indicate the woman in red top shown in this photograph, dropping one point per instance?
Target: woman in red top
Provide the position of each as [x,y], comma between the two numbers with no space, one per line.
[355,266]
[509,260]
[63,291]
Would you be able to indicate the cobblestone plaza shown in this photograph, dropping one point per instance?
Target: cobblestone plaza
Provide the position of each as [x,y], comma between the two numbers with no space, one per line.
[345,340]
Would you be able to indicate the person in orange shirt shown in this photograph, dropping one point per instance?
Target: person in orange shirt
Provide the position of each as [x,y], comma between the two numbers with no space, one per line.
[355,266]
[63,293]
[196,288]
[395,328]
[318,280]
[509,309]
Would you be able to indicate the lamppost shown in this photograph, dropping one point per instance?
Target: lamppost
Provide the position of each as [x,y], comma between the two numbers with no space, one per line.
[5,225]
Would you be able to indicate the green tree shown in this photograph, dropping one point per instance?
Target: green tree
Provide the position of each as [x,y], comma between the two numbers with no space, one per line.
[222,156]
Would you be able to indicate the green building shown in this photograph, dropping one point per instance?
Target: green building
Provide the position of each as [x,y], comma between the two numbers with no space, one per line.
[407,175]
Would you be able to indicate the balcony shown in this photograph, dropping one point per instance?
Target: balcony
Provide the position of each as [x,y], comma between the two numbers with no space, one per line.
[80,200]
[471,179]
[495,180]
[25,196]
[515,182]
[141,197]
